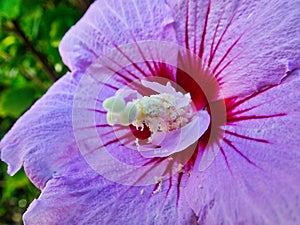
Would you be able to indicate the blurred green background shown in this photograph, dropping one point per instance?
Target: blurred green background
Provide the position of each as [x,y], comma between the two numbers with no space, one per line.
[29,63]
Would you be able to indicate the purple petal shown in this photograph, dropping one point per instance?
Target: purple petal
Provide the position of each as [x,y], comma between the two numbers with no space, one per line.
[115,22]
[246,44]
[42,139]
[255,179]
[80,196]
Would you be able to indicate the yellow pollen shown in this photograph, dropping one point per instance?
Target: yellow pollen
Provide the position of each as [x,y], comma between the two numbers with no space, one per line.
[161,113]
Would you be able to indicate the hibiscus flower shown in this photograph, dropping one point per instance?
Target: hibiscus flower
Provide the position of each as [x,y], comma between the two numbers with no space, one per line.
[173,112]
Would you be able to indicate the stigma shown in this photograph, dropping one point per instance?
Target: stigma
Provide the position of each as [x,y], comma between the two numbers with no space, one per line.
[165,111]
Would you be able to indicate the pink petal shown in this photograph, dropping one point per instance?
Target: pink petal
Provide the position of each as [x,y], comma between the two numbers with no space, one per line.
[42,139]
[259,40]
[255,179]
[80,196]
[115,22]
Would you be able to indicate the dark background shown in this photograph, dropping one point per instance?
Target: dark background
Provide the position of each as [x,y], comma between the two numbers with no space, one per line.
[29,63]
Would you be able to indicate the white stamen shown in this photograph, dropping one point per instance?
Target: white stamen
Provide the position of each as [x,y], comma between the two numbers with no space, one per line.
[167,111]
[137,144]
[158,180]
[142,191]
[180,169]
[149,140]
[162,113]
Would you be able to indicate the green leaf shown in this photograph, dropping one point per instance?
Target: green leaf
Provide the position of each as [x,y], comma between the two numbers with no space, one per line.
[10,9]
[15,101]
[8,41]
[18,181]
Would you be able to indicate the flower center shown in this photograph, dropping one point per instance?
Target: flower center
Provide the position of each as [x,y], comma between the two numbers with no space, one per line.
[163,123]
[164,112]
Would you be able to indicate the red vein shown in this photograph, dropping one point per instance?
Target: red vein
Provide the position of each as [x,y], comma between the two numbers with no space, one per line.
[226,54]
[232,114]
[225,157]
[211,55]
[186,26]
[246,137]
[236,119]
[178,187]
[201,47]
[239,102]
[219,41]
[108,85]
[223,68]
[130,60]
[143,56]
[96,110]
[229,143]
